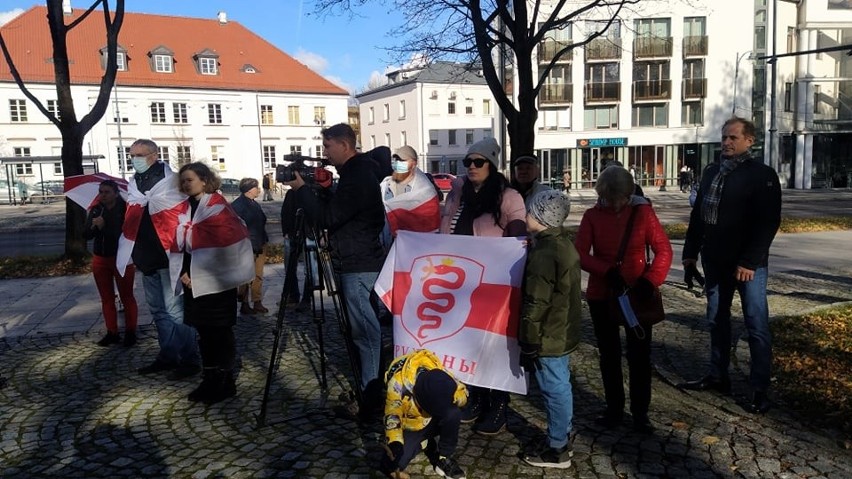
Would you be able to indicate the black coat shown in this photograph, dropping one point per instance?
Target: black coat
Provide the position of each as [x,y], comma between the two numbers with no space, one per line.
[353,214]
[148,253]
[106,238]
[749,216]
[255,219]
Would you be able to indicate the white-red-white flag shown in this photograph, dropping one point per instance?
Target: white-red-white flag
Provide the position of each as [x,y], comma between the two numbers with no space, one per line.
[163,202]
[417,210]
[217,239]
[458,296]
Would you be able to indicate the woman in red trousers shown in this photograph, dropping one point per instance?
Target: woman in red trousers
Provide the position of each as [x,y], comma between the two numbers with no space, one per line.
[103,224]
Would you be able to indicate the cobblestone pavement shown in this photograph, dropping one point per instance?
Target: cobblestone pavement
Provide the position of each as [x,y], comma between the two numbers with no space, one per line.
[73,409]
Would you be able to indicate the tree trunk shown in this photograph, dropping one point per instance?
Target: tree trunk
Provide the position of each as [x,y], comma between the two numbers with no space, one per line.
[75,216]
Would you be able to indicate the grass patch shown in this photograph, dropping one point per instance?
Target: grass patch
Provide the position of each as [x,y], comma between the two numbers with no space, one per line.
[813,365]
[40,266]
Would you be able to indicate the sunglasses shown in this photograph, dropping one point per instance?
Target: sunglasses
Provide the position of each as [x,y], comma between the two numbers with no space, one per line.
[478,162]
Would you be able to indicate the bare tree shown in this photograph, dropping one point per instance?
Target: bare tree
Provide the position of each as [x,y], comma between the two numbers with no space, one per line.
[73,131]
[498,35]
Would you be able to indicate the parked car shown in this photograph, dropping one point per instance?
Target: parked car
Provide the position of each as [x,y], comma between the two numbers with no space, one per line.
[7,193]
[443,180]
[47,191]
[230,187]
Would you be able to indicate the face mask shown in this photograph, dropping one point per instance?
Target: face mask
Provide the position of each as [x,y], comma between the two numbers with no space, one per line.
[140,164]
[400,166]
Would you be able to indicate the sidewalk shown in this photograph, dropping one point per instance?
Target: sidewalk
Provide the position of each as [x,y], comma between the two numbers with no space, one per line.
[73,409]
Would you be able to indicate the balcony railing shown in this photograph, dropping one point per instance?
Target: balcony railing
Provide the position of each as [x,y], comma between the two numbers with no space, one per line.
[652,47]
[556,93]
[694,88]
[548,49]
[603,92]
[695,46]
[652,90]
[603,49]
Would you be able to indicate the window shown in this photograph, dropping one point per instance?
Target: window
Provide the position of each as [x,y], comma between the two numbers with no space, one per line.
[184,154]
[214,113]
[817,92]
[296,150]
[403,138]
[651,115]
[319,115]
[207,66]
[486,107]
[163,153]
[486,133]
[433,137]
[451,108]
[601,117]
[388,140]
[269,156]
[788,97]
[554,119]
[468,107]
[21,151]
[653,27]
[217,159]
[23,169]
[451,137]
[179,112]
[386,110]
[163,63]
[760,37]
[371,116]
[158,112]
[266,117]
[53,107]
[320,151]
[293,115]
[123,155]
[468,137]
[694,26]
[402,110]
[18,110]
[121,61]
[692,113]
[57,168]
[693,69]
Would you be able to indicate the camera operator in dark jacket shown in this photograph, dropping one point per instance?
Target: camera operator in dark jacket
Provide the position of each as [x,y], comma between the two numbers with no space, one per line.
[354,216]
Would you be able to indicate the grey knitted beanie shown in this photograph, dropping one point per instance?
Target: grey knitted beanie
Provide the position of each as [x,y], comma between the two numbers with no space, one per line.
[488,148]
[550,207]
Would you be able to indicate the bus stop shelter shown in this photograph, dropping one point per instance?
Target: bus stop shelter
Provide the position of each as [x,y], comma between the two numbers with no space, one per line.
[10,167]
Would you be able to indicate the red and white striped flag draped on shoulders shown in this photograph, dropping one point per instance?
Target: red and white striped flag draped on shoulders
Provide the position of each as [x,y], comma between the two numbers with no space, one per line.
[163,201]
[417,210]
[217,239]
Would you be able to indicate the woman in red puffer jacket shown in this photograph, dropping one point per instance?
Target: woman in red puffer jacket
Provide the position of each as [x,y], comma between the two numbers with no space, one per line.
[598,240]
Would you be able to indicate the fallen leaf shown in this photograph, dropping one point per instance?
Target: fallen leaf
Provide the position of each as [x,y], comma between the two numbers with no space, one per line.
[710,440]
[680,425]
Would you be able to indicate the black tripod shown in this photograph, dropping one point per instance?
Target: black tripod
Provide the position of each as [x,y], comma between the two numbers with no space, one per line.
[316,256]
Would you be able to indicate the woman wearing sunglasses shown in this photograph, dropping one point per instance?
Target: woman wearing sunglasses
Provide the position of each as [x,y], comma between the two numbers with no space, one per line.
[483,204]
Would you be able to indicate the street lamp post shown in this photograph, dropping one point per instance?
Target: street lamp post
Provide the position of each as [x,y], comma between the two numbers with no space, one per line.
[740,56]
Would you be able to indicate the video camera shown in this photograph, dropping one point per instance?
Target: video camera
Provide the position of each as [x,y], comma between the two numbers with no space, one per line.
[310,169]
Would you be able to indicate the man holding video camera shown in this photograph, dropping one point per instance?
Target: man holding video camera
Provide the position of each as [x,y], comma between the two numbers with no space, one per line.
[354,216]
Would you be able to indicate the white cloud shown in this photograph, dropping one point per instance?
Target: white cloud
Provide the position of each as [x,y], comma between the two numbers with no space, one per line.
[5,17]
[314,61]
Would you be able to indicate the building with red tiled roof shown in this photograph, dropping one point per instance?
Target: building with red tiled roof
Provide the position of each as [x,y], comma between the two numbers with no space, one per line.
[203,89]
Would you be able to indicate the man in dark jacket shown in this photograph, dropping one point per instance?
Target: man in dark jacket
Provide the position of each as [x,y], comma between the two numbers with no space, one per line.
[736,215]
[178,344]
[354,216]
[255,219]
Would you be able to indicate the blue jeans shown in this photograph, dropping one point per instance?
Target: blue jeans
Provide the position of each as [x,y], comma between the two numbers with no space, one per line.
[720,293]
[554,380]
[363,323]
[178,343]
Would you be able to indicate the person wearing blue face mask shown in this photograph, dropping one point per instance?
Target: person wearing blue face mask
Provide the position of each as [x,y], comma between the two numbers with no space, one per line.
[410,197]
[154,193]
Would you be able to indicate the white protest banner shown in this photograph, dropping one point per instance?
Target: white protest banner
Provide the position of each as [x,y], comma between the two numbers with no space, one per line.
[458,296]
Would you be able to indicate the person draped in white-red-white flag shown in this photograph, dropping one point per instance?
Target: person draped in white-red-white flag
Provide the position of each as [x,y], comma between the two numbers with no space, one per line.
[458,296]
[410,198]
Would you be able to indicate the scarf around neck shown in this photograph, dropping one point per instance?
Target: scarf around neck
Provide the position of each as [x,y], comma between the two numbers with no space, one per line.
[710,205]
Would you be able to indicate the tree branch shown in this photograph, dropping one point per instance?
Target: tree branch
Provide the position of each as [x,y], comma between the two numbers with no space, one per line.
[86,14]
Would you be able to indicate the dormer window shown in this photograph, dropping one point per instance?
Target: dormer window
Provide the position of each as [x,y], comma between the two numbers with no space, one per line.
[163,63]
[207,62]
[247,68]
[120,58]
[162,60]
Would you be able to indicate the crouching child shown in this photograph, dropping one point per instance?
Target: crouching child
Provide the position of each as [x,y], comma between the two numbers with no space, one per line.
[550,323]
[423,402]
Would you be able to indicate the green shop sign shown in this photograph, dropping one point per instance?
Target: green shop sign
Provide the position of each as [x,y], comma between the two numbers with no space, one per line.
[601,142]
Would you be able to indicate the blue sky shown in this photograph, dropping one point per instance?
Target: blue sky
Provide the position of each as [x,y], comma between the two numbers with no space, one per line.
[346,50]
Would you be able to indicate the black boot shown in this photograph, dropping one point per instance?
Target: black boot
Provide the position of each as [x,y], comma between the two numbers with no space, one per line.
[224,388]
[208,380]
[494,421]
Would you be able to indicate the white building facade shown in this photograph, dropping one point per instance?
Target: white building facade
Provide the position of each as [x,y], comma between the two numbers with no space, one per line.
[199,97]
